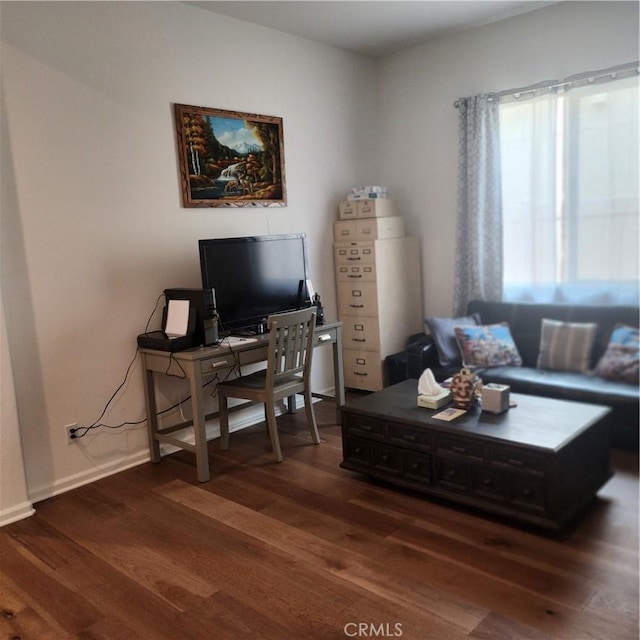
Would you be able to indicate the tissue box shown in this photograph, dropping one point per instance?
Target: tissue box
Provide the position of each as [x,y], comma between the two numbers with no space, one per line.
[435,402]
[495,397]
[367,193]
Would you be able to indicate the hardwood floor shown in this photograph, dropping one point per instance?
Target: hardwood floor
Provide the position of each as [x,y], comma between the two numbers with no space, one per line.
[304,549]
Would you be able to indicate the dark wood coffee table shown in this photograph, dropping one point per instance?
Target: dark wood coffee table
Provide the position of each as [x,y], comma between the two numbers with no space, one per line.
[541,462]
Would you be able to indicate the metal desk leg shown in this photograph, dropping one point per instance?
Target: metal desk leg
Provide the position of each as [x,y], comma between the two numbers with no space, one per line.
[152,412]
[199,425]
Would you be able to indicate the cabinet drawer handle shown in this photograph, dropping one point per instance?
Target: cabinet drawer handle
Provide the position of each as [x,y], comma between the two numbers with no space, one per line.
[527,493]
[357,306]
[515,463]
[359,339]
[459,449]
[385,457]
[358,450]
[354,258]
[365,427]
[408,437]
[220,363]
[358,373]
[452,474]
[355,276]
[415,466]
[487,482]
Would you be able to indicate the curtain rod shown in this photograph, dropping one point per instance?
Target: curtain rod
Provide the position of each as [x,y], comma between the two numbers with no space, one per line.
[589,77]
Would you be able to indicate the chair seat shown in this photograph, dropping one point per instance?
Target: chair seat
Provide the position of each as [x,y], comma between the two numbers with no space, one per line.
[257,381]
[288,371]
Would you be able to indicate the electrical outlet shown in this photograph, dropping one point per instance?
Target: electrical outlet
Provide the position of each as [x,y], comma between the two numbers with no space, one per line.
[68,428]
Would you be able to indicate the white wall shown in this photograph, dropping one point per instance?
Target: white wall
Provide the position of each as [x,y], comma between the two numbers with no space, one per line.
[92,226]
[419,125]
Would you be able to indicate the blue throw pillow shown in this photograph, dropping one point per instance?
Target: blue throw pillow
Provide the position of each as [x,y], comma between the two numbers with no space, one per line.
[441,330]
[621,360]
[487,346]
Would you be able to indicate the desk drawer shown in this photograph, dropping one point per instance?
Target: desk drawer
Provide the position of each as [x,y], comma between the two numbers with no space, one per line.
[219,363]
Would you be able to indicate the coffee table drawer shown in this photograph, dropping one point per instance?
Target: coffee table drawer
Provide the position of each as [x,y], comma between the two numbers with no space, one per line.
[461,447]
[416,466]
[418,439]
[517,459]
[358,452]
[364,427]
[527,492]
[387,459]
[452,473]
[489,483]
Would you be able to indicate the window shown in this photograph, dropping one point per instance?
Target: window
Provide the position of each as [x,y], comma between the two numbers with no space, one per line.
[570,193]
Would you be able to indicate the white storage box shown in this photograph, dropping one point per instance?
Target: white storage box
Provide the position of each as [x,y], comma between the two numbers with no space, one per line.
[364,193]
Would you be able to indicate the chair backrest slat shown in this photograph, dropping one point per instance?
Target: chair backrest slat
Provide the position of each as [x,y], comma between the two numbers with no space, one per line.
[290,343]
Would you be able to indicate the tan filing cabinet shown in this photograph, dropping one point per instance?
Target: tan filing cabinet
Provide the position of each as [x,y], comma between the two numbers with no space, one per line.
[379,303]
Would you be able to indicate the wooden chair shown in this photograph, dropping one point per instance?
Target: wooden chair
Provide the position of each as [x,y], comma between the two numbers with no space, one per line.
[288,372]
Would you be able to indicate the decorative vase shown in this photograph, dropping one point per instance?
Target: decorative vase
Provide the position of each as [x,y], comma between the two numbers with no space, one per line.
[465,389]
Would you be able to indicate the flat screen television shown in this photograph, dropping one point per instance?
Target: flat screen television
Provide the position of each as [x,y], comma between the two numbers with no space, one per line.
[253,277]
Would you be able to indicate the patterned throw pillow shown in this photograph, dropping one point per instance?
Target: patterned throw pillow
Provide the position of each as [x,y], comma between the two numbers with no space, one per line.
[487,346]
[621,360]
[566,346]
[441,330]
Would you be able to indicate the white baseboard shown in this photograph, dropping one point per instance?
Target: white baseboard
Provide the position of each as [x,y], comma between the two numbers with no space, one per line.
[16,512]
[240,420]
[63,485]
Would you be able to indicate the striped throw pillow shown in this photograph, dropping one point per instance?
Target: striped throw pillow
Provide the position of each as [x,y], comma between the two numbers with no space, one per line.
[566,346]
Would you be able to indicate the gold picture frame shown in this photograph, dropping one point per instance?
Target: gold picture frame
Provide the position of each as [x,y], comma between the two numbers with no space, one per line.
[229,158]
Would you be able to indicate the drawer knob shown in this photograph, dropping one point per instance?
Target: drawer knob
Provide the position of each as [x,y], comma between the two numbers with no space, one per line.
[527,493]
[487,482]
[415,466]
[452,473]
[385,457]
[358,450]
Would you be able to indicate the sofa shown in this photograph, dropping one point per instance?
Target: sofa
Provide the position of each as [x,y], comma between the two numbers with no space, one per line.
[527,323]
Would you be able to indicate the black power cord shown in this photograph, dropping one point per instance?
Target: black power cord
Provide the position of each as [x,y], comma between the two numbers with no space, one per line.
[74,433]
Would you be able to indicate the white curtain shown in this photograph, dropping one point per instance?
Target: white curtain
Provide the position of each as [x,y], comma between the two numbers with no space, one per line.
[478,272]
[570,193]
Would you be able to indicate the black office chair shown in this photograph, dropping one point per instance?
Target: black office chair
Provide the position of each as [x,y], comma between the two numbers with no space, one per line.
[288,372]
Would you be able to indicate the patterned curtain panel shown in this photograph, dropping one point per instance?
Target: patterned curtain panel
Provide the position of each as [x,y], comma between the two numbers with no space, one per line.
[478,272]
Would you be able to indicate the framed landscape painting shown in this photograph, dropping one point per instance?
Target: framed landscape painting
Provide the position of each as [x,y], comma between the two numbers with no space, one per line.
[229,158]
